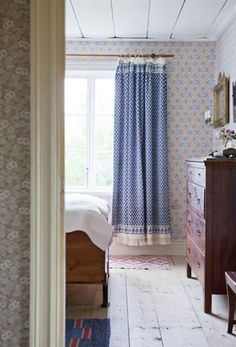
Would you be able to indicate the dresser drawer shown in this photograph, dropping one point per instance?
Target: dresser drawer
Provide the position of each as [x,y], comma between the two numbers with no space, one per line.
[196,174]
[196,260]
[196,229]
[195,198]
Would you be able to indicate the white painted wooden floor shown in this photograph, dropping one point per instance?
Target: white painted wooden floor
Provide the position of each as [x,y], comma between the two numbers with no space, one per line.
[152,308]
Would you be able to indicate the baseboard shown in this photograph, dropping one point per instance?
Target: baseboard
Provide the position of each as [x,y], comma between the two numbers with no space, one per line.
[175,248]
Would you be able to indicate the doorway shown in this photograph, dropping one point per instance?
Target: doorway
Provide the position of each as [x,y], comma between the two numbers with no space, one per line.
[47,289]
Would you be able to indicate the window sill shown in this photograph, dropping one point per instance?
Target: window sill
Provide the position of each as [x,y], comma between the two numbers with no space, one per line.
[105,195]
[88,191]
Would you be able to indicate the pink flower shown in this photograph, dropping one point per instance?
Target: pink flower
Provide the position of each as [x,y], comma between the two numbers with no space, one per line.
[229,133]
[226,135]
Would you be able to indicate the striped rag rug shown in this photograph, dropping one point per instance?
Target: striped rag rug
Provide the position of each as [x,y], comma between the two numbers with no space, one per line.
[87,332]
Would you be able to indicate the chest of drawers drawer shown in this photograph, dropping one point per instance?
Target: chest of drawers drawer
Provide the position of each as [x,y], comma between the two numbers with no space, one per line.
[196,175]
[195,198]
[196,229]
[196,260]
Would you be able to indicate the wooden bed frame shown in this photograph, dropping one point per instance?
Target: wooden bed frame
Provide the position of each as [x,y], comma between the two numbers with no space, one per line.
[86,263]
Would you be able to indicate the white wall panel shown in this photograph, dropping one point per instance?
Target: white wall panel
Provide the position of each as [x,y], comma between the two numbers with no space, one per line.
[130,17]
[196,17]
[95,18]
[163,14]
[72,27]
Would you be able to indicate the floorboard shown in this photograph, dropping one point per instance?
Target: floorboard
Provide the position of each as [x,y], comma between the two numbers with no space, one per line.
[152,308]
[144,327]
[214,325]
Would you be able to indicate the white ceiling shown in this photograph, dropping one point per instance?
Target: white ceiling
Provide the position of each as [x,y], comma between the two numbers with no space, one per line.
[148,19]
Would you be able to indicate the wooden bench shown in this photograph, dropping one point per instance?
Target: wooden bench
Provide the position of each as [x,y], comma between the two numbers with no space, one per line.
[230,278]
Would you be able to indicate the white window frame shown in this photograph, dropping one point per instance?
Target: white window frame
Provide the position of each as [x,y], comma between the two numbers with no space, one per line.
[91,75]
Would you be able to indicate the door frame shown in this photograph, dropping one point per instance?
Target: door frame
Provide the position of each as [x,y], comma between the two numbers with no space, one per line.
[47,259]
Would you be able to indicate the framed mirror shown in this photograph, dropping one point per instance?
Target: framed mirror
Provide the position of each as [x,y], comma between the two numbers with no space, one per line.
[221,102]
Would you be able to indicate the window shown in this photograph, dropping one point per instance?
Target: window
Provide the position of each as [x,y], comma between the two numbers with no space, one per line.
[89,114]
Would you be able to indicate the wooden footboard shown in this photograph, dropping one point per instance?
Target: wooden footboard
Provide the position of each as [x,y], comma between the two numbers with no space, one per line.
[85,262]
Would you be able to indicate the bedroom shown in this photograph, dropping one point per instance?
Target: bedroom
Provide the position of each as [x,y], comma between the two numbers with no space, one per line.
[147,307]
[197,55]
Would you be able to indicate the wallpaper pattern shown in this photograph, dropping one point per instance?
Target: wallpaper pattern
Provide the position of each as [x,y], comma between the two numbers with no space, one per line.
[14,173]
[225,63]
[191,76]
[226,51]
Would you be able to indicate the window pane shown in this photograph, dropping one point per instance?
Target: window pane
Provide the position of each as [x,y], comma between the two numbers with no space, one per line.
[75,169]
[75,95]
[104,96]
[75,133]
[103,150]
[75,149]
[103,133]
[103,169]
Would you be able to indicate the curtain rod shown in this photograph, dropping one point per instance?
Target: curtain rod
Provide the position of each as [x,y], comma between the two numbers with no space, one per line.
[152,55]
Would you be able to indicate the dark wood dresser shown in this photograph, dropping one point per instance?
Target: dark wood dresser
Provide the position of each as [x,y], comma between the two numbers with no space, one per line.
[211,223]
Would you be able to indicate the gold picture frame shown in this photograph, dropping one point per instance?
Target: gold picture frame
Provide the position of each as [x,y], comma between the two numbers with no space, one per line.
[221,102]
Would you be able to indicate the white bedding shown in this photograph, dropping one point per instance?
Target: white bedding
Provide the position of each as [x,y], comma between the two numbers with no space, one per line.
[89,214]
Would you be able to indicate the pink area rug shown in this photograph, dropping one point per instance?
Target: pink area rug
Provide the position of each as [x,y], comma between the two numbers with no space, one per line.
[140,262]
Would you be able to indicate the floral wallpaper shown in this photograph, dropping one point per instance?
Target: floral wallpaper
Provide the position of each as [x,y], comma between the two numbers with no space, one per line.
[191,76]
[226,52]
[14,173]
[225,63]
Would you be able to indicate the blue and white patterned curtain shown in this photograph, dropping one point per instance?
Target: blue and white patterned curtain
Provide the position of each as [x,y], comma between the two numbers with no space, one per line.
[140,209]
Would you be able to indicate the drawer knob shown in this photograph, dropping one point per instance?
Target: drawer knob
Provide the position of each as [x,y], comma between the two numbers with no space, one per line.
[198,200]
[198,264]
[199,232]
[199,174]
[189,250]
[189,222]
[189,194]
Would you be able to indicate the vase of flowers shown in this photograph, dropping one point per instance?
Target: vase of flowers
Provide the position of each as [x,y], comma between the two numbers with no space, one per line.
[228,138]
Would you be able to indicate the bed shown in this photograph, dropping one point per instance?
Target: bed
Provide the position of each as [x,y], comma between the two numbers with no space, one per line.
[88,237]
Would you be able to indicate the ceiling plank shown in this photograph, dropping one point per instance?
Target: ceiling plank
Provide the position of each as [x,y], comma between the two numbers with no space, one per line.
[72,27]
[95,18]
[196,17]
[163,15]
[131,17]
[223,19]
